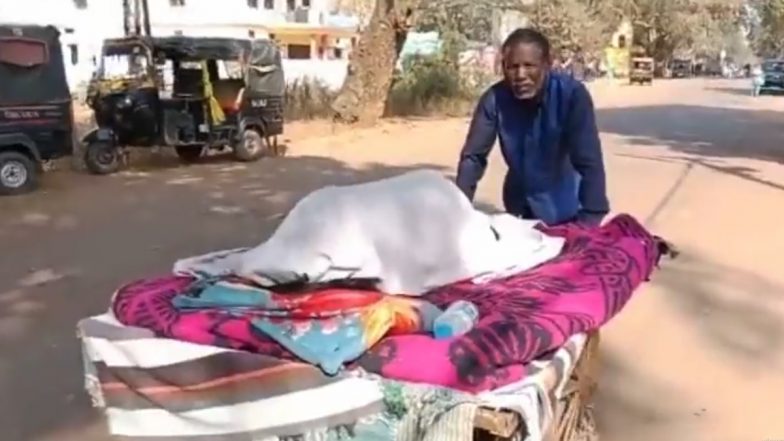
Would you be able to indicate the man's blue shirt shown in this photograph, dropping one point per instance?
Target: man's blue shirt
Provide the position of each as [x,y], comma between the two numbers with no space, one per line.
[551,146]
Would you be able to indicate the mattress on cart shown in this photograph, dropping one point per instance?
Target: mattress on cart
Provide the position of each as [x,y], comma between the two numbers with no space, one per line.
[153,388]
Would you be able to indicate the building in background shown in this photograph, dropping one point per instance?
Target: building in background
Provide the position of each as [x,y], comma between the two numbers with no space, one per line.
[314,41]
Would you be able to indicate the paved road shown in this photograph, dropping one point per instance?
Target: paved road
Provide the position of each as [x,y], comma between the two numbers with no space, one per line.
[696,355]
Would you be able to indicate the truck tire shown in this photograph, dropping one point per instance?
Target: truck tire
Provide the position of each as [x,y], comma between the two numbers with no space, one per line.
[18,173]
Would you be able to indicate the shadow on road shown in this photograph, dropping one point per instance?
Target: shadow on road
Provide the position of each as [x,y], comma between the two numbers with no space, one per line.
[734,310]
[739,91]
[60,271]
[710,132]
[746,91]
[626,402]
[735,314]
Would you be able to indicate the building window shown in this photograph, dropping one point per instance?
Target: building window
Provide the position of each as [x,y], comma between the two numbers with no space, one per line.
[80,4]
[299,51]
[291,5]
[177,2]
[305,3]
[251,34]
[253,4]
[269,4]
[74,50]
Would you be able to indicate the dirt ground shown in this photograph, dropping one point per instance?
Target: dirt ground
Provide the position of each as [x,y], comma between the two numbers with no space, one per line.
[696,355]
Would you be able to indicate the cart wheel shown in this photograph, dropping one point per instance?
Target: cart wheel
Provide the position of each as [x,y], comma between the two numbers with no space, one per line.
[189,154]
[102,158]
[18,173]
[250,147]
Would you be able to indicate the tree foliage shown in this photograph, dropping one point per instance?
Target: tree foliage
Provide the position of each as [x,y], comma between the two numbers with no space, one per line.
[663,27]
[574,24]
[471,19]
[764,20]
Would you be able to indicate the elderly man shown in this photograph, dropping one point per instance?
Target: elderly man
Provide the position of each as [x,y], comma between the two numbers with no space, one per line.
[547,131]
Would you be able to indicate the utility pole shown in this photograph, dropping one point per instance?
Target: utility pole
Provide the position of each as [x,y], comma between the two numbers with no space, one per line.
[136,18]
[146,12]
[126,5]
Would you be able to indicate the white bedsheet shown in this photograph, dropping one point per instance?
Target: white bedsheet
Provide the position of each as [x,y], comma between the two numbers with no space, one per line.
[414,232]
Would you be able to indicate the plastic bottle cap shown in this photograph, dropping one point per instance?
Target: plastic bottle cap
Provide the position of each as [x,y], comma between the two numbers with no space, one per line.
[441,331]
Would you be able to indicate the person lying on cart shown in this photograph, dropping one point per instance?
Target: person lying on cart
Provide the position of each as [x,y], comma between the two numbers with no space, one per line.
[546,127]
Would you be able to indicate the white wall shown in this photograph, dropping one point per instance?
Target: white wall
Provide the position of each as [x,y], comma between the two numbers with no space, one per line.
[227,12]
[331,73]
[84,28]
[87,28]
[210,12]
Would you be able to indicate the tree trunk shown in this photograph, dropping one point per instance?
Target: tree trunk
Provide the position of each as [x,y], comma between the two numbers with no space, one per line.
[364,94]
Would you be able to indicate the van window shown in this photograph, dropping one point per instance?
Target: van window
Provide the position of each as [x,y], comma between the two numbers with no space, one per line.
[229,70]
[24,52]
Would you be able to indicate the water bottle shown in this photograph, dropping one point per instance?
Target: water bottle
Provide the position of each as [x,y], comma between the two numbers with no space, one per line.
[458,319]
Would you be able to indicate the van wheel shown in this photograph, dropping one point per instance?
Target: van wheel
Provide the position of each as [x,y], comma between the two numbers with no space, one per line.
[102,157]
[18,173]
[250,147]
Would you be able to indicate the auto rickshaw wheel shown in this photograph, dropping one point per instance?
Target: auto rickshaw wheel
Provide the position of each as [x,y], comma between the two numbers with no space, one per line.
[102,157]
[189,153]
[251,146]
[18,173]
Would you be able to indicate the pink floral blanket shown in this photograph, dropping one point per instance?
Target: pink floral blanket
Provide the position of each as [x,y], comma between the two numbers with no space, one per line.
[525,316]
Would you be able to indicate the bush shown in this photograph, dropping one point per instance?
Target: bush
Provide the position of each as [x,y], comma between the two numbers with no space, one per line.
[426,85]
[431,84]
[308,98]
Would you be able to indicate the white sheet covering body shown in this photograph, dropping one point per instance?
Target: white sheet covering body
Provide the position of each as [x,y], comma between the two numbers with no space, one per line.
[414,232]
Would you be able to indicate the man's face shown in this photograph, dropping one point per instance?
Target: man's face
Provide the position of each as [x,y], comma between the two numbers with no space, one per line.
[525,68]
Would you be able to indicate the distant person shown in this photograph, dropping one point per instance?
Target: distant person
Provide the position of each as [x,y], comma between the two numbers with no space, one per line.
[547,131]
[757,79]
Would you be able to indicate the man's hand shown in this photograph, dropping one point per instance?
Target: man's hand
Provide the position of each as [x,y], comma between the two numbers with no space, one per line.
[589,220]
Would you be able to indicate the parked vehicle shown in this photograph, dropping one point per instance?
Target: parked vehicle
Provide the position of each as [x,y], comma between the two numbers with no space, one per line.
[192,94]
[641,70]
[712,68]
[36,114]
[681,68]
[772,76]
